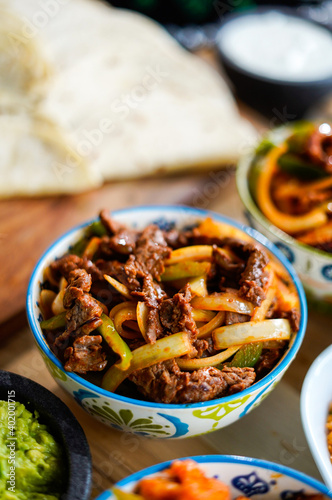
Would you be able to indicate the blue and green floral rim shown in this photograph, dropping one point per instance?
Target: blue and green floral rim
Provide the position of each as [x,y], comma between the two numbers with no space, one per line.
[290,355]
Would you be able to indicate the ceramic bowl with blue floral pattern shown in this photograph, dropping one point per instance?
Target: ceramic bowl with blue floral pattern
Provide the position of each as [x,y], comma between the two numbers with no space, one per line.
[312,265]
[244,476]
[145,418]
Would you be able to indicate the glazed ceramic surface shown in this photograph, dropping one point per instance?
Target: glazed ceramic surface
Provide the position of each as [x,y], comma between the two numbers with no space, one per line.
[63,426]
[313,266]
[316,397]
[143,417]
[250,477]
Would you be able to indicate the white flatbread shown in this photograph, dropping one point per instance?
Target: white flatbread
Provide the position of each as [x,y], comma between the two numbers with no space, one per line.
[24,68]
[35,159]
[132,101]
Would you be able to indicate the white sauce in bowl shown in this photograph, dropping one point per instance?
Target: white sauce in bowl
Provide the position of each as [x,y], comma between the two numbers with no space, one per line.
[278,46]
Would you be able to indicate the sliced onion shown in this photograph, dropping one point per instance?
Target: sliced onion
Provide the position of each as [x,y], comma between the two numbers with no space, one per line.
[270,293]
[173,346]
[125,314]
[260,312]
[207,329]
[57,305]
[142,317]
[63,283]
[196,252]
[202,316]
[118,307]
[119,287]
[198,286]
[91,248]
[46,300]
[212,228]
[223,301]
[48,276]
[196,364]
[252,331]
[186,269]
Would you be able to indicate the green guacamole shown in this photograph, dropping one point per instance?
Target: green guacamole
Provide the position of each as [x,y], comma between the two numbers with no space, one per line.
[31,461]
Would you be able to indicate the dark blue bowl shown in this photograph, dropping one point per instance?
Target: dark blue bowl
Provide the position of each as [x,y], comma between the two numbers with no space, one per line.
[281,100]
[63,426]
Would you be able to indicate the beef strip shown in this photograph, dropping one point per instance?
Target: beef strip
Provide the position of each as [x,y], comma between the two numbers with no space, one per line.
[151,292]
[68,263]
[253,277]
[177,239]
[154,329]
[125,273]
[79,282]
[226,267]
[105,250]
[176,313]
[122,239]
[238,379]
[93,270]
[293,316]
[85,309]
[63,266]
[85,355]
[147,259]
[319,149]
[151,251]
[84,312]
[231,318]
[166,383]
[152,295]
[200,346]
[267,361]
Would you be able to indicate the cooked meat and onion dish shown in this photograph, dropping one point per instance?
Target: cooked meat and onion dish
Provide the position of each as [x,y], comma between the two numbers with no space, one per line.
[186,316]
[291,181]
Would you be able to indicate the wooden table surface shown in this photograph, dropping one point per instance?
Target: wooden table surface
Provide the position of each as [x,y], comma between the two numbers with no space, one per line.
[273,431]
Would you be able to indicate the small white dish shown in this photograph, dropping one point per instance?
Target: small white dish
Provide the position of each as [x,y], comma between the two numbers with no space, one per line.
[316,396]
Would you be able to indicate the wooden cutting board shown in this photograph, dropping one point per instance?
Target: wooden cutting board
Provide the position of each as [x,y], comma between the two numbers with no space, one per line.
[29,226]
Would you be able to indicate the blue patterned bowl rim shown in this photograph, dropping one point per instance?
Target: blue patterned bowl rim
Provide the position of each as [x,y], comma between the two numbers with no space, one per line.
[169,209]
[229,459]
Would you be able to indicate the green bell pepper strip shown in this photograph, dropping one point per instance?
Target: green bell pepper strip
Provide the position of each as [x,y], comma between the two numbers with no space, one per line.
[116,343]
[170,347]
[301,132]
[78,247]
[294,165]
[58,321]
[97,228]
[188,269]
[247,355]
[264,147]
